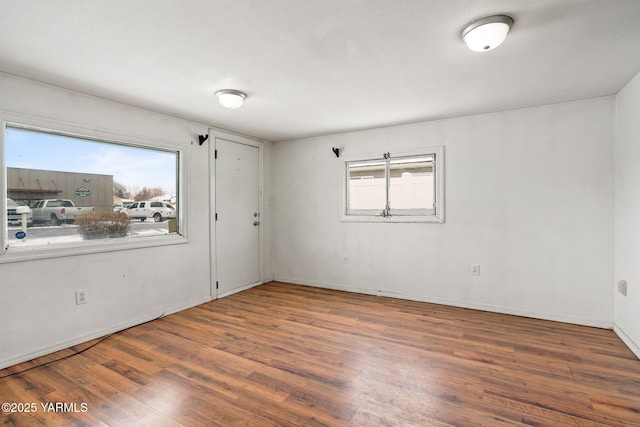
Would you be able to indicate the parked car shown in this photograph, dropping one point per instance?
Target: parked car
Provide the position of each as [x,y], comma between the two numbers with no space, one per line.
[57,211]
[159,211]
[14,218]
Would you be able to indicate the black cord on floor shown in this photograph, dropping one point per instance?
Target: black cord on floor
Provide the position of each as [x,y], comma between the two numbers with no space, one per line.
[106,337]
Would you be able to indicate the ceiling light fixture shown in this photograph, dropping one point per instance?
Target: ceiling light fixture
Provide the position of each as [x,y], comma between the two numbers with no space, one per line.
[487,33]
[230,98]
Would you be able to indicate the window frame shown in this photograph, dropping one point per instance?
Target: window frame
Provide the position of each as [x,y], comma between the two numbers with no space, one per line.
[14,254]
[394,215]
[361,212]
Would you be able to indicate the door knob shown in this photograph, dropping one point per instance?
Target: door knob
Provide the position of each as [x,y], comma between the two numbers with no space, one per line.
[256,223]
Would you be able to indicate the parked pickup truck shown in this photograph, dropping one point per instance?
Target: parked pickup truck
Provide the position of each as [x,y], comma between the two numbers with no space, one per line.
[57,211]
[15,218]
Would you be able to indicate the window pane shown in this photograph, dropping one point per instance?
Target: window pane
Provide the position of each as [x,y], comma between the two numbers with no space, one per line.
[65,177]
[366,185]
[411,183]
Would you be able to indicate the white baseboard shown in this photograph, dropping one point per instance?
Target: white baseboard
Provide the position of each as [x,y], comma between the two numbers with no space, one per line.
[627,340]
[236,290]
[454,303]
[5,363]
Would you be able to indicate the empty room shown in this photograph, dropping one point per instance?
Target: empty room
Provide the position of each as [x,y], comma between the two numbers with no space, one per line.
[337,212]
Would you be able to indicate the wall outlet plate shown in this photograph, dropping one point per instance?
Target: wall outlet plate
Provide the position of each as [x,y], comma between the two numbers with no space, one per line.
[81,296]
[622,287]
[475,269]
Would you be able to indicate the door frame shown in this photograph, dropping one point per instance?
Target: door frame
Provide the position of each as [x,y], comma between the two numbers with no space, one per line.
[214,135]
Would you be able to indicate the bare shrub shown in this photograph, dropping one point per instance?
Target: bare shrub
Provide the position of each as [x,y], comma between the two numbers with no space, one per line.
[102,225]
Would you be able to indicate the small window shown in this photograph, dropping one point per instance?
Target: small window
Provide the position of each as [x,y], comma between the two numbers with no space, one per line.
[64,177]
[402,188]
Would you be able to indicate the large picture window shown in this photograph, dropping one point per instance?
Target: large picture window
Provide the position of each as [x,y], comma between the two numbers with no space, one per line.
[66,190]
[402,188]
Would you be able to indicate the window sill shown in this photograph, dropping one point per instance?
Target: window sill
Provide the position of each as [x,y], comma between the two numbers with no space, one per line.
[16,254]
[392,218]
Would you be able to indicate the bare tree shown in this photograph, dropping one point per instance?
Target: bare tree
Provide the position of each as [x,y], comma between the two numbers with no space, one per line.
[147,193]
[120,190]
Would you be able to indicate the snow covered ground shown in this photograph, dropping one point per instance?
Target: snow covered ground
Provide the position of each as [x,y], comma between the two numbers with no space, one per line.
[68,233]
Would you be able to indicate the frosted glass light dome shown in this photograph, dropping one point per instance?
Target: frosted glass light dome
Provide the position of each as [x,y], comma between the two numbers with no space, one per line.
[487,33]
[230,98]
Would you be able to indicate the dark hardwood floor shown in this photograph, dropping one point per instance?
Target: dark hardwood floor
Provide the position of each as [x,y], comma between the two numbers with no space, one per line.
[289,355]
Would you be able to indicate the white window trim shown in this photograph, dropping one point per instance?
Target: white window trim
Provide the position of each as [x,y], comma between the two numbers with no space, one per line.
[16,254]
[365,216]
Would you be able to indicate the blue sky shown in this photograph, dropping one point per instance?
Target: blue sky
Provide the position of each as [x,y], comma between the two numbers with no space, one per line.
[133,167]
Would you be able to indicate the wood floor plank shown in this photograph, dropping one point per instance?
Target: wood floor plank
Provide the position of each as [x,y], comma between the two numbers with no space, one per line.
[289,355]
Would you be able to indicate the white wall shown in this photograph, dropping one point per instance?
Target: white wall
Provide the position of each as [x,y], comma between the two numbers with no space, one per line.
[529,196]
[37,298]
[627,213]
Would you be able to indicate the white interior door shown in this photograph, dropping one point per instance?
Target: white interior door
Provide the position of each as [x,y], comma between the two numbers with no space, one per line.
[238,216]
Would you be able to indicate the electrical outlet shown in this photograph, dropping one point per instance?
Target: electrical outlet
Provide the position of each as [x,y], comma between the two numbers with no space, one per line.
[81,296]
[622,287]
[475,269]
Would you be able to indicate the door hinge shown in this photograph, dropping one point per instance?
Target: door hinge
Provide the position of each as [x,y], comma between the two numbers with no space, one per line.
[217,285]
[215,154]
[216,216]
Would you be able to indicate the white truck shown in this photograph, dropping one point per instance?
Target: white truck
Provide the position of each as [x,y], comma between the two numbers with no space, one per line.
[159,211]
[14,216]
[57,211]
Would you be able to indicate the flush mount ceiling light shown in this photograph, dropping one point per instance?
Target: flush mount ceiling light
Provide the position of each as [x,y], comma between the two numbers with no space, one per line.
[230,98]
[487,33]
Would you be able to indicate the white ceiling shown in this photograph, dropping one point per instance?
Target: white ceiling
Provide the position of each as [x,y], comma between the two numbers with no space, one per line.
[321,66]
